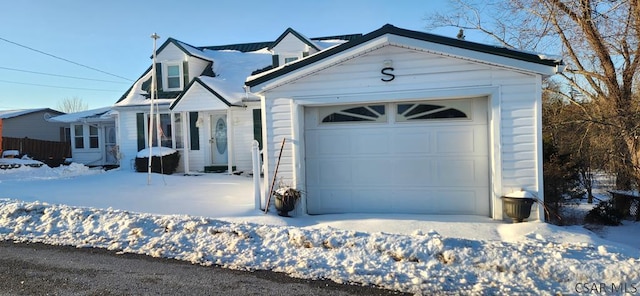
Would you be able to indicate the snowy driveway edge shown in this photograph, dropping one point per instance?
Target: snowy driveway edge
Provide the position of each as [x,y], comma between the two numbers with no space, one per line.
[417,263]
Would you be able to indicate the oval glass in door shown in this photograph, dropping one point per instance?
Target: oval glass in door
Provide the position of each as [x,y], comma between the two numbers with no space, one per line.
[221,136]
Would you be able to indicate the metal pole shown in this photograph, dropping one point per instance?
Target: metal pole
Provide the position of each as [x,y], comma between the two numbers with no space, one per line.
[153,94]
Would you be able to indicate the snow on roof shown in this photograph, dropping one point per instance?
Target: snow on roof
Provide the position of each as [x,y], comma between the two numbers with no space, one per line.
[95,114]
[232,68]
[193,50]
[138,96]
[4,114]
[324,44]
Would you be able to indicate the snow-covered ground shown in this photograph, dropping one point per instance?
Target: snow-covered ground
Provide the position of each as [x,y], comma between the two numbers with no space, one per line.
[210,219]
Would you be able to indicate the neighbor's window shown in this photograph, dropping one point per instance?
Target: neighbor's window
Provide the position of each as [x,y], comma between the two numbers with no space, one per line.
[370,113]
[93,137]
[173,76]
[78,136]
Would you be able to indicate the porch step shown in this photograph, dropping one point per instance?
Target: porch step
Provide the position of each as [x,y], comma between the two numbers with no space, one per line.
[217,168]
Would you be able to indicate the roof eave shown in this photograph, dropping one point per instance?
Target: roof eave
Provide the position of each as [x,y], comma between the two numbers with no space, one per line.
[426,37]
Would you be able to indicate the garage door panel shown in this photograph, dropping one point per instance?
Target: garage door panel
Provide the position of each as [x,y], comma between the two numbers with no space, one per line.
[414,171]
[372,200]
[335,171]
[371,171]
[331,200]
[438,200]
[370,143]
[455,141]
[332,144]
[409,141]
[457,172]
[413,166]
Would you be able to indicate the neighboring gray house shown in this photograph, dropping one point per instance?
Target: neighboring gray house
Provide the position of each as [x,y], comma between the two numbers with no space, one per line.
[33,124]
[93,136]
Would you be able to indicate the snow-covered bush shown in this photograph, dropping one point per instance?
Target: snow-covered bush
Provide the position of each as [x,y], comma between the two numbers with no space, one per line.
[164,161]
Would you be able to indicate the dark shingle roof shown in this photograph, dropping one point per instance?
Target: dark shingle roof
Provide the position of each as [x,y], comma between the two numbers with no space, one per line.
[243,47]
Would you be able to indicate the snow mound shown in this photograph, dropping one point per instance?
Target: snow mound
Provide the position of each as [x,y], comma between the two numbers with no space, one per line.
[44,172]
[417,263]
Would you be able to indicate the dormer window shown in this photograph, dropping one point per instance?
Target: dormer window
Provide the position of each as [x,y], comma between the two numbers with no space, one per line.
[173,76]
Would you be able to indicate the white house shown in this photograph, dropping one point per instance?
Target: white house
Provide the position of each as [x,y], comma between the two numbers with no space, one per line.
[402,121]
[93,136]
[205,111]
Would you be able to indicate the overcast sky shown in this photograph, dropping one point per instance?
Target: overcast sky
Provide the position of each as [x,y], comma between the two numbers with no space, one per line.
[113,37]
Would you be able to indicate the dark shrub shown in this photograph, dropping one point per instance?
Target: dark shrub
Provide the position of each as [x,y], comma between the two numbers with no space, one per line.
[167,165]
[604,213]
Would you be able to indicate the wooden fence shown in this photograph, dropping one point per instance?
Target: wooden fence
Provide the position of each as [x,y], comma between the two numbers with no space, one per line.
[50,152]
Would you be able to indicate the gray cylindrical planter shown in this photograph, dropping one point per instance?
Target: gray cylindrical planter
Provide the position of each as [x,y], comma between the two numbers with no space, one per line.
[517,208]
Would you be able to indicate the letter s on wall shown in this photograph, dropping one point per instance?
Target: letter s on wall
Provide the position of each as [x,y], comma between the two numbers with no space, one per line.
[390,76]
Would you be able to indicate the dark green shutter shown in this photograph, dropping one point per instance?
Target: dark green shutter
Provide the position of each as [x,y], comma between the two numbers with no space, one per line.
[159,76]
[185,72]
[257,126]
[140,128]
[276,62]
[194,131]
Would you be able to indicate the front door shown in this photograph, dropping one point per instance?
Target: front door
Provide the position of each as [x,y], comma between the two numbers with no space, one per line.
[218,140]
[111,147]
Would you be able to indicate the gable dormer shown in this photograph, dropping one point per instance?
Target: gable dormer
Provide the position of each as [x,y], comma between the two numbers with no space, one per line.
[291,46]
[175,60]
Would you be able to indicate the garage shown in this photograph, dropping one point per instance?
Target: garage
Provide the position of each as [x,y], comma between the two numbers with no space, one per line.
[402,121]
[415,156]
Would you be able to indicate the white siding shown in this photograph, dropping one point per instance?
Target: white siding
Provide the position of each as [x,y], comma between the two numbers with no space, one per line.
[242,120]
[88,156]
[279,126]
[196,66]
[128,138]
[291,46]
[170,53]
[197,157]
[198,98]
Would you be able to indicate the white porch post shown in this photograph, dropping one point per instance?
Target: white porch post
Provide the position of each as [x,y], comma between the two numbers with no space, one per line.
[255,157]
[230,140]
[186,145]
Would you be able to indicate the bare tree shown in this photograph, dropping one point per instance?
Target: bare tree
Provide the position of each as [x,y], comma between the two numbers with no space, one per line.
[599,42]
[71,105]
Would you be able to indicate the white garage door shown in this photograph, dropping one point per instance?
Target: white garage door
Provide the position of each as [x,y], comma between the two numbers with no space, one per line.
[428,157]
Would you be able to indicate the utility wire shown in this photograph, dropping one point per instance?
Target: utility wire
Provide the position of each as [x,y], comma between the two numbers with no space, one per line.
[63,59]
[54,86]
[58,75]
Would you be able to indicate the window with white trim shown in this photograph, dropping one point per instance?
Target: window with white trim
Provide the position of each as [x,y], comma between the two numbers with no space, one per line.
[169,130]
[458,109]
[367,113]
[78,136]
[93,137]
[173,76]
